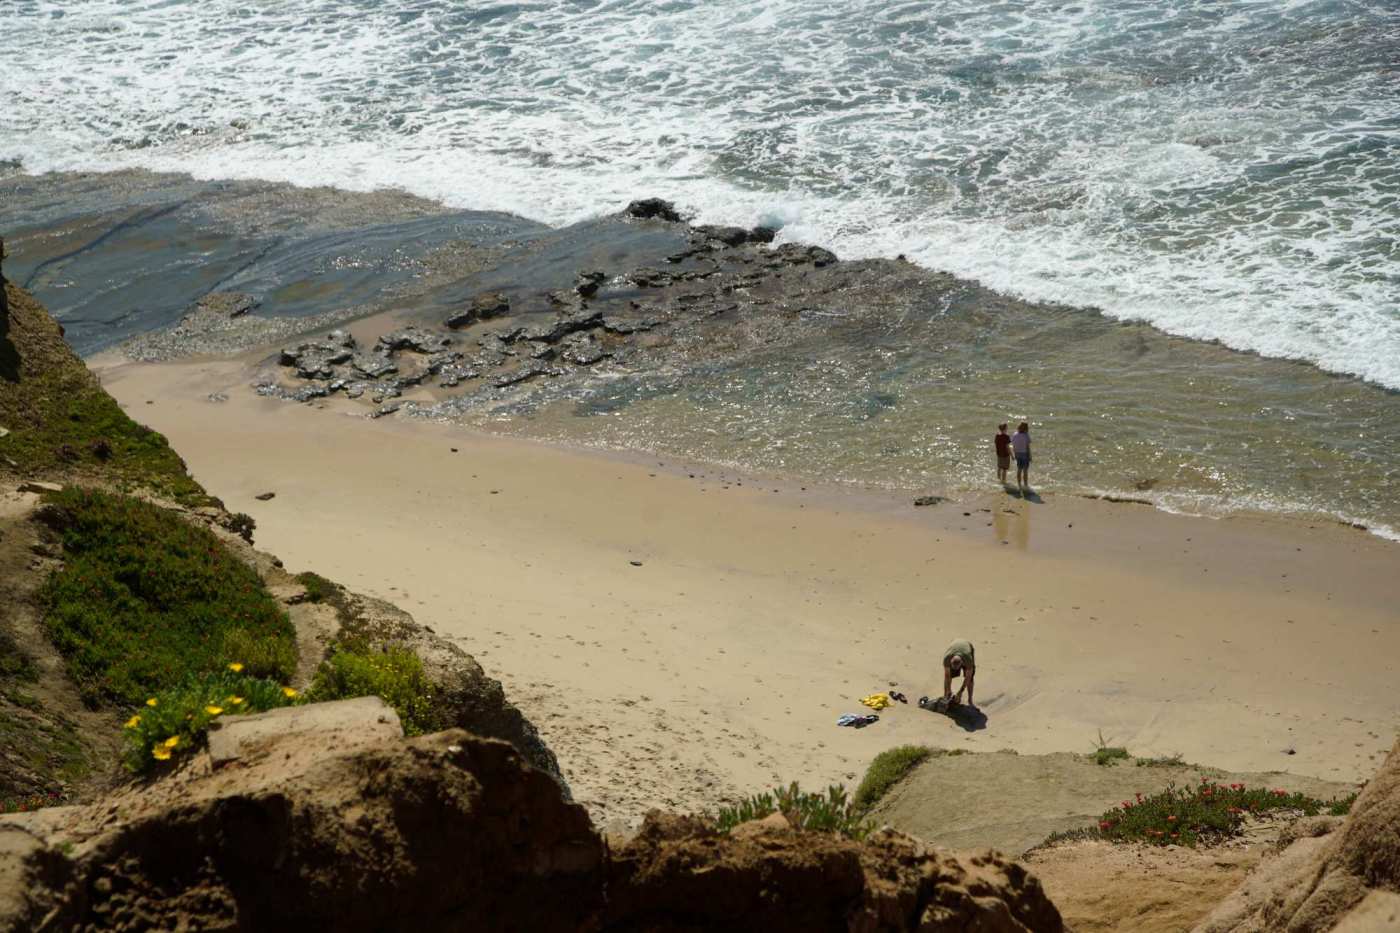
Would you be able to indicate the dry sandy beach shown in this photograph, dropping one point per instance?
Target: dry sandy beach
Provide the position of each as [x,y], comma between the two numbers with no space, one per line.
[761,612]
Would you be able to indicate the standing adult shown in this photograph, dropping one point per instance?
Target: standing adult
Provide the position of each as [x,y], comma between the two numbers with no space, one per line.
[1021,447]
[1002,441]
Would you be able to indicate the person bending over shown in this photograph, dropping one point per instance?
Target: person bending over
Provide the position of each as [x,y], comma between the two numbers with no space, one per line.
[959,661]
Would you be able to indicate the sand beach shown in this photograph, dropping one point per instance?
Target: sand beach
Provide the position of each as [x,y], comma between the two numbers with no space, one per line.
[682,634]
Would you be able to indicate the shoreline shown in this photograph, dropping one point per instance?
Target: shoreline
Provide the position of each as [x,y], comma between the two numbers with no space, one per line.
[855,372]
[719,665]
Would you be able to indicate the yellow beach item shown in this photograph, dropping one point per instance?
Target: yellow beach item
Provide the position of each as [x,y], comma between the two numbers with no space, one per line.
[877,700]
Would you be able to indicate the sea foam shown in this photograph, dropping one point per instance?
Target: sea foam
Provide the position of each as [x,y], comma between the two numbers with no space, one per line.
[1224,172]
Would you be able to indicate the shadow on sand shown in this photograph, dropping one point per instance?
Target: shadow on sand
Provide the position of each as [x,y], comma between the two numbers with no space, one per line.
[968,718]
[1030,495]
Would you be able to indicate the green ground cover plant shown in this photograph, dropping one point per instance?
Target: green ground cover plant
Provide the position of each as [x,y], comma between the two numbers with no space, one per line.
[1162,761]
[145,599]
[318,588]
[393,673]
[30,802]
[175,721]
[832,812]
[885,771]
[60,420]
[1203,815]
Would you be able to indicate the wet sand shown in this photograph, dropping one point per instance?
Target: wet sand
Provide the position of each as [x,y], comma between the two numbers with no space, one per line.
[761,611]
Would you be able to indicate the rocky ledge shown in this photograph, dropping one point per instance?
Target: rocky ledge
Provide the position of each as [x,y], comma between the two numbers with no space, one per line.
[455,832]
[724,292]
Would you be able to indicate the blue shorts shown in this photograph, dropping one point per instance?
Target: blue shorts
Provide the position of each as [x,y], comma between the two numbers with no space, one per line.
[1023,461]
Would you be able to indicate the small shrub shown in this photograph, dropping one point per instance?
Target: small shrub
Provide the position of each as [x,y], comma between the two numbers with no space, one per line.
[1109,755]
[1164,761]
[274,658]
[832,812]
[1203,815]
[318,588]
[145,598]
[1104,754]
[242,524]
[176,721]
[886,771]
[394,674]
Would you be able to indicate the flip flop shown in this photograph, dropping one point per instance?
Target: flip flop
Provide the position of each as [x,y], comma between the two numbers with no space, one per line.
[898,696]
[923,702]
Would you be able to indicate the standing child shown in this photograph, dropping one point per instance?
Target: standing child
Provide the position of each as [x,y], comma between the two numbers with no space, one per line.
[1021,446]
[1003,447]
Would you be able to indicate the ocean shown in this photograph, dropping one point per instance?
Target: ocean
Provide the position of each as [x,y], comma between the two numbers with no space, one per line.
[1227,172]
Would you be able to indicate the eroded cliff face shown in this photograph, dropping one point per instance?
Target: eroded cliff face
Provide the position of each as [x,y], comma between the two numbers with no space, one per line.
[456,832]
[58,426]
[1327,873]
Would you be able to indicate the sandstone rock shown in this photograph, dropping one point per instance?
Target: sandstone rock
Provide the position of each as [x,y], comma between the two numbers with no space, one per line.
[449,832]
[453,832]
[581,350]
[652,208]
[586,284]
[348,723]
[564,326]
[265,496]
[374,365]
[227,304]
[650,278]
[729,236]
[772,823]
[678,873]
[526,374]
[317,359]
[483,307]
[414,338]
[797,254]
[36,486]
[1320,882]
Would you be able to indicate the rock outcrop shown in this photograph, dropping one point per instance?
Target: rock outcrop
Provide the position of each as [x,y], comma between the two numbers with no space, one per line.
[454,832]
[1347,878]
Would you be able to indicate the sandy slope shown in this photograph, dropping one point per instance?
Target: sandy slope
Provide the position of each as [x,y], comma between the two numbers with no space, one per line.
[761,612]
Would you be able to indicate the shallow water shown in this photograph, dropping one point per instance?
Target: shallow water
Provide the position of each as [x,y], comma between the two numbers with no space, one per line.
[1114,408]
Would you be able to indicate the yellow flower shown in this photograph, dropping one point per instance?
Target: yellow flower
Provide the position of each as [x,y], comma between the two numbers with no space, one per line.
[235,700]
[235,667]
[160,753]
[133,722]
[172,741]
[151,702]
[213,710]
[288,692]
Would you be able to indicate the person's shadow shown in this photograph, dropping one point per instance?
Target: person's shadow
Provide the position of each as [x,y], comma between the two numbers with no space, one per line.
[968,718]
[1030,495]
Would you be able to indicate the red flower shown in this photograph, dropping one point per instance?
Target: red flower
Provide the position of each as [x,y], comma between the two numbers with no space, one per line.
[1105,825]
